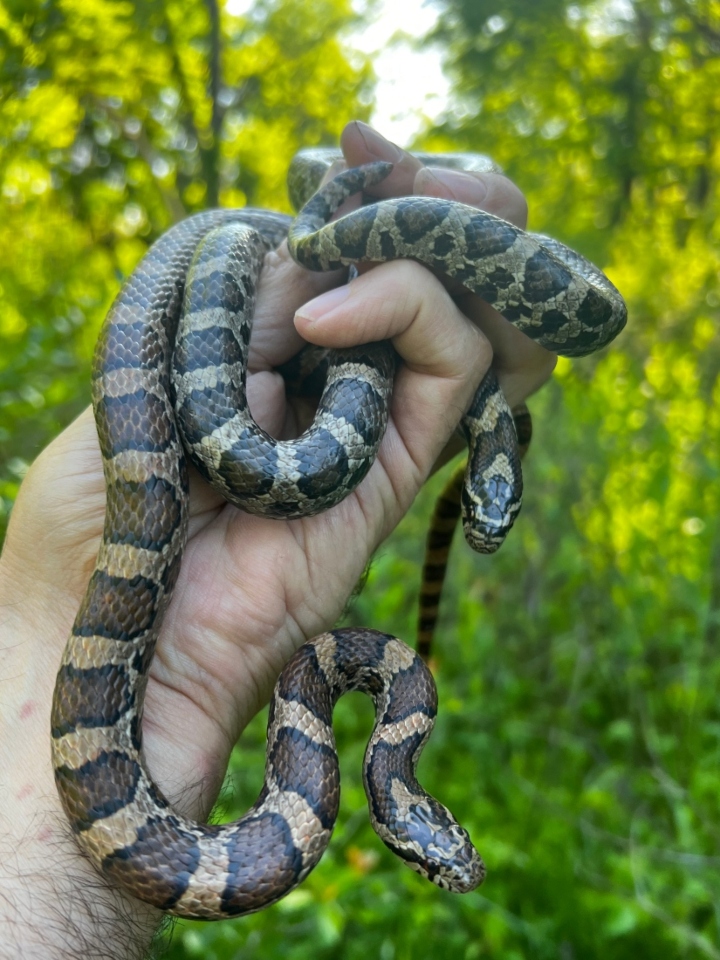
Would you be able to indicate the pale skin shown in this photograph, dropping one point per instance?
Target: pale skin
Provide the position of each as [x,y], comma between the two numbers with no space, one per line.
[250,590]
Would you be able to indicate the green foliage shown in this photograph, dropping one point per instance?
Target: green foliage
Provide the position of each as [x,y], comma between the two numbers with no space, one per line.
[116,120]
[579,732]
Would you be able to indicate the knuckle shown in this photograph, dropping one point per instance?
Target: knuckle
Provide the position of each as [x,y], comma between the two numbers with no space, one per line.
[506,200]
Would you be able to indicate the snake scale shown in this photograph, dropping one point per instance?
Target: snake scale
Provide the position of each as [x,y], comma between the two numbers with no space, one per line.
[211,262]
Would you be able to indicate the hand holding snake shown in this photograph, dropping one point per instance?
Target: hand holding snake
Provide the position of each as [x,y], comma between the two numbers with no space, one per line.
[239,610]
[169,384]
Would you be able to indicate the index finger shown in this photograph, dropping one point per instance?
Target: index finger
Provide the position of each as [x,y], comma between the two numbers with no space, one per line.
[522,365]
[484,189]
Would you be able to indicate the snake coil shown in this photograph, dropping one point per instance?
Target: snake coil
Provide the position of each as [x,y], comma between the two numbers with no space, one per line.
[144,401]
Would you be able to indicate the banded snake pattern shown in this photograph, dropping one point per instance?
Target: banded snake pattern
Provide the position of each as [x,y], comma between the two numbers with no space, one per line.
[211,262]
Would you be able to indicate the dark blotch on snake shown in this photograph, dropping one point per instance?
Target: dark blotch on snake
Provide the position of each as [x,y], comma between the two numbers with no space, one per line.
[545,279]
[553,322]
[358,403]
[414,220]
[402,703]
[143,657]
[322,467]
[117,608]
[136,731]
[368,652]
[205,410]
[208,347]
[169,576]
[217,289]
[99,787]
[490,288]
[304,682]
[388,250]
[92,697]
[274,864]
[162,860]
[517,311]
[147,513]
[127,346]
[309,769]
[443,245]
[354,234]
[594,311]
[391,762]
[487,236]
[249,467]
[499,279]
[284,509]
[135,421]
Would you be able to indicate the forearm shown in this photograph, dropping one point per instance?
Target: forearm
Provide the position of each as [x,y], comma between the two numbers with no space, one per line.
[53,903]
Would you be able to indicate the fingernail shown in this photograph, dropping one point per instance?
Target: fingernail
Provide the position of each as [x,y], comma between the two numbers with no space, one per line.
[336,167]
[451,184]
[377,145]
[319,307]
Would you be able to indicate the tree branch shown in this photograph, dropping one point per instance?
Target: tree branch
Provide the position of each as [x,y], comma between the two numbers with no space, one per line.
[211,154]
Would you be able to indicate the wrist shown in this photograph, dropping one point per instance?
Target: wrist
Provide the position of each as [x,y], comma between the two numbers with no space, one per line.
[53,902]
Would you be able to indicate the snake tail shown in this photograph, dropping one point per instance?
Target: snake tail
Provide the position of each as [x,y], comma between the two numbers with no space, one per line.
[211,871]
[440,535]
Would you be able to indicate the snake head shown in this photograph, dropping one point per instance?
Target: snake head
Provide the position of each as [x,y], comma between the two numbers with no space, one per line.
[436,846]
[489,514]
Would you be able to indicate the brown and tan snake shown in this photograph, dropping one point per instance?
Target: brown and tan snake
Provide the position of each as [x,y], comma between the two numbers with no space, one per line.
[151,410]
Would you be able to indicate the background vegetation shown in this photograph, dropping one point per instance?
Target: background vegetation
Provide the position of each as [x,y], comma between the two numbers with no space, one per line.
[579,736]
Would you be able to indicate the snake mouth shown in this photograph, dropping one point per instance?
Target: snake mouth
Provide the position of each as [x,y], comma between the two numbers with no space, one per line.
[485,541]
[468,871]
[461,874]
[461,868]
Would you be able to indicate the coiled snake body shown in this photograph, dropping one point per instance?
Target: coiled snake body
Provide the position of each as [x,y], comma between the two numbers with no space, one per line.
[120,818]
